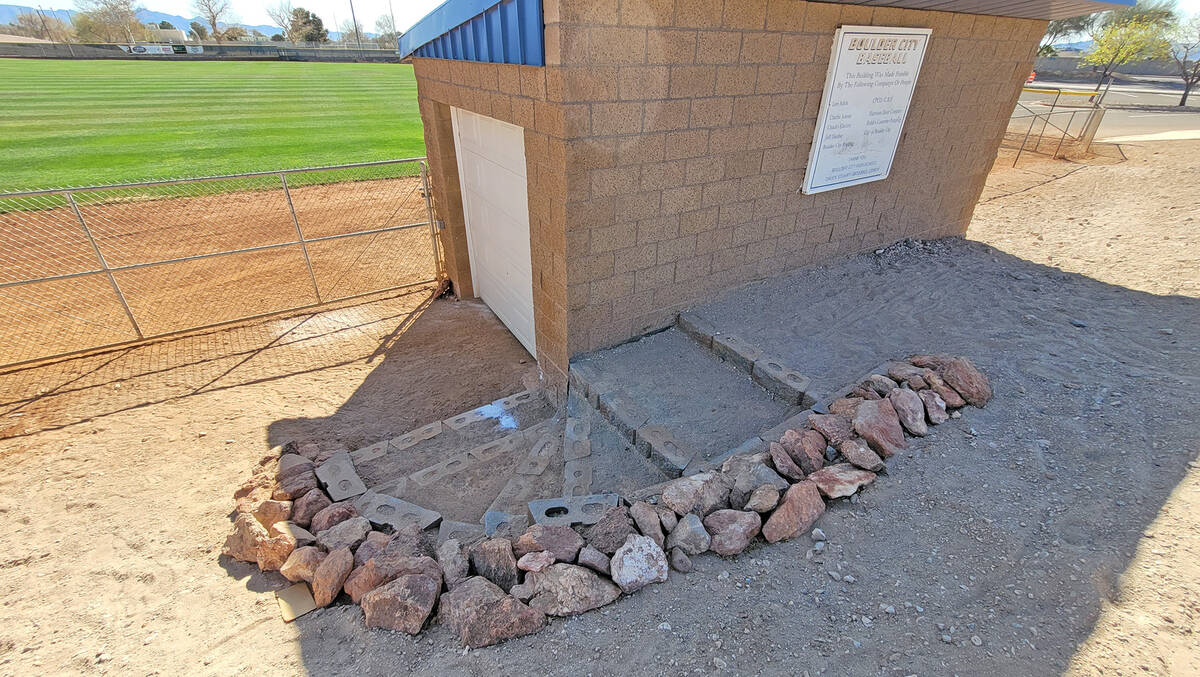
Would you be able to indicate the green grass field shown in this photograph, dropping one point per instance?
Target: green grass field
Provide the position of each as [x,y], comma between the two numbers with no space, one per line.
[71,123]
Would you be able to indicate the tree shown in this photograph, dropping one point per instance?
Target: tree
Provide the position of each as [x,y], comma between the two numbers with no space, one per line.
[1158,12]
[233,33]
[214,12]
[277,37]
[350,31]
[108,21]
[166,25]
[198,31]
[307,27]
[38,25]
[1185,51]
[386,32]
[1117,44]
[1062,28]
[281,15]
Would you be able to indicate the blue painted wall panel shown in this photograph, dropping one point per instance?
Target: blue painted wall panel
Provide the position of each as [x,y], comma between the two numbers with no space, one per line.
[492,31]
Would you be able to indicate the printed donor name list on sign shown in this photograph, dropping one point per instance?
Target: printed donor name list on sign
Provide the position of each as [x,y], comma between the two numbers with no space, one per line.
[872,73]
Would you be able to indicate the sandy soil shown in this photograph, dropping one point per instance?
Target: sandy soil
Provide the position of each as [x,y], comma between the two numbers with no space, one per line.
[1059,526]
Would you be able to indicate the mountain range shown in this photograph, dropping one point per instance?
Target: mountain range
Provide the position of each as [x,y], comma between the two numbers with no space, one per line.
[9,14]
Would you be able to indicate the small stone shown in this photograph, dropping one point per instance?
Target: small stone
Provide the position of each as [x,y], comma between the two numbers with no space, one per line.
[362,580]
[910,410]
[374,543]
[976,640]
[689,535]
[299,534]
[274,551]
[331,516]
[834,428]
[563,542]
[402,604]
[935,407]
[594,559]
[800,507]
[330,575]
[807,448]
[763,499]
[882,385]
[295,485]
[843,479]
[567,590]
[845,406]
[610,531]
[680,561]
[646,518]
[877,422]
[949,395]
[732,530]
[308,505]
[302,564]
[481,614]
[784,465]
[455,566]
[664,626]
[700,493]
[271,511]
[858,453]
[535,561]
[638,563]
[346,534]
[818,534]
[959,374]
[493,559]
[247,535]
[667,517]
[749,472]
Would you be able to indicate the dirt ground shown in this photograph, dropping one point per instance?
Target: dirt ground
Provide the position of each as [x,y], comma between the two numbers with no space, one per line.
[1056,531]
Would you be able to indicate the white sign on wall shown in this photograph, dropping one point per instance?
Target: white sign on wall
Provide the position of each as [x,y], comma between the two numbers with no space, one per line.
[868,88]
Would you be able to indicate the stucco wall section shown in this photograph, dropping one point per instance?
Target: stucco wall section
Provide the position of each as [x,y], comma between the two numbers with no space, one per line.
[688,125]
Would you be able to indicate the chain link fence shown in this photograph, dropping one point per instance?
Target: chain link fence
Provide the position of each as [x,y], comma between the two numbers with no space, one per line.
[99,266]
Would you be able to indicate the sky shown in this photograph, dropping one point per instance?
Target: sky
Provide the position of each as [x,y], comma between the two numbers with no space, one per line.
[332,12]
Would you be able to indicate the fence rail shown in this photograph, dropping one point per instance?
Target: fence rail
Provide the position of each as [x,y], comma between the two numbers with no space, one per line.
[99,266]
[1053,118]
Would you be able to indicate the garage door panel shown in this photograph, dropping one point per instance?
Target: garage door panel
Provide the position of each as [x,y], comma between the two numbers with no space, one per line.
[491,164]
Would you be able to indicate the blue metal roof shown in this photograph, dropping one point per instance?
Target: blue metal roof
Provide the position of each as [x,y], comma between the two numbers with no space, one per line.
[494,31]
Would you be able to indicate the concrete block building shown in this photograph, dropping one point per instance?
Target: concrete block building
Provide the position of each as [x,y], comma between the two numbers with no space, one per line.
[600,165]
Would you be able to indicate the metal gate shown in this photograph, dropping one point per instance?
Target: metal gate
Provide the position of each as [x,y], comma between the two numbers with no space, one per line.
[100,266]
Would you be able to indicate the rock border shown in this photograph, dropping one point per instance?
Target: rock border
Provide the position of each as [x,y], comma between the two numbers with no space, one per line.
[505,585]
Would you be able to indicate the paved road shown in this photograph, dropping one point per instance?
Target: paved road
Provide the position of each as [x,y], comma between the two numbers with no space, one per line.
[1128,124]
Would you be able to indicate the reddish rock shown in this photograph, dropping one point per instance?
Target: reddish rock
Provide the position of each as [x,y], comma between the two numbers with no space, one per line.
[330,575]
[291,465]
[564,542]
[935,407]
[362,580]
[807,448]
[255,490]
[784,465]
[863,393]
[302,564]
[481,614]
[667,517]
[877,423]
[493,559]
[535,561]
[843,479]
[858,453]
[845,406]
[594,559]
[345,534]
[295,486]
[949,395]
[567,590]
[455,566]
[834,428]
[372,545]
[749,472]
[731,530]
[308,505]
[646,518]
[409,540]
[701,493]
[680,561]
[903,372]
[910,410]
[965,378]
[272,511]
[394,564]
[689,535]
[763,499]
[402,604]
[797,512]
[880,384]
[247,535]
[638,563]
[274,551]
[331,516]
[611,530]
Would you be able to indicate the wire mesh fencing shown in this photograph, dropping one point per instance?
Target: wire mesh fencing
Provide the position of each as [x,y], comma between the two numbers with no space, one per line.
[98,266]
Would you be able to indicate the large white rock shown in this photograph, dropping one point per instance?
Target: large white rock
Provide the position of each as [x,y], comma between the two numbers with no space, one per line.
[638,563]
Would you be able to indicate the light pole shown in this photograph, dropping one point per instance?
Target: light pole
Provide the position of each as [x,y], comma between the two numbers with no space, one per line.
[357,35]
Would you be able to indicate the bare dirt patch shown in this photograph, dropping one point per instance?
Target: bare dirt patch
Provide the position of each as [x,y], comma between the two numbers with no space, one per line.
[1027,533]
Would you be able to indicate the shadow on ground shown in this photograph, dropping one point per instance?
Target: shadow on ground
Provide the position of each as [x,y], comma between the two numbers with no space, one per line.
[990,547]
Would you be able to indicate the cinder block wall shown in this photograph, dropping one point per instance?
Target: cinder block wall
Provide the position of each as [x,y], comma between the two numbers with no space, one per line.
[688,127]
[666,142]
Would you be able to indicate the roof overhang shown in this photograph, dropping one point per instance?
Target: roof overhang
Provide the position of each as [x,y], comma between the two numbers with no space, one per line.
[1021,9]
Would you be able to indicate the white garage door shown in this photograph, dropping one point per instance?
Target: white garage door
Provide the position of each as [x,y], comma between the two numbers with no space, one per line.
[491,167]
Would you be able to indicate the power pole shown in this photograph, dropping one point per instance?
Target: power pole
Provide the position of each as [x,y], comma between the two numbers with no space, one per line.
[357,35]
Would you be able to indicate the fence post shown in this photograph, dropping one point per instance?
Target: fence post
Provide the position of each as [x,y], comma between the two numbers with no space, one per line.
[300,237]
[433,239]
[104,266]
